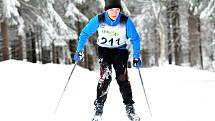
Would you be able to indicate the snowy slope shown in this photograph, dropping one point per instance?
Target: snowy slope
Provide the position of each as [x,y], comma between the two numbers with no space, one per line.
[30,92]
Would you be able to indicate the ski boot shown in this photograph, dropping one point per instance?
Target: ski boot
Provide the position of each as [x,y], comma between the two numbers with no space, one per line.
[131,113]
[98,112]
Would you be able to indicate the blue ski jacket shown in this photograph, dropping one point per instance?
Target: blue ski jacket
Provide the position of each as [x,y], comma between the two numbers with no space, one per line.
[93,25]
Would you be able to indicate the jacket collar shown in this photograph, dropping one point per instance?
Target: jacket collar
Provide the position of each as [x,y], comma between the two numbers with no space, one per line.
[111,22]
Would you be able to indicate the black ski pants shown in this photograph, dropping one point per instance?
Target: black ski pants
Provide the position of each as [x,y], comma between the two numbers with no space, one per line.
[119,59]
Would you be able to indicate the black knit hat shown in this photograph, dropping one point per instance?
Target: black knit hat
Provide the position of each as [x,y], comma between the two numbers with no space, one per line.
[112,4]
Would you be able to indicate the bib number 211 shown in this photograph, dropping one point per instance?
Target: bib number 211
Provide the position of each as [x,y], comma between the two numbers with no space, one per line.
[111,41]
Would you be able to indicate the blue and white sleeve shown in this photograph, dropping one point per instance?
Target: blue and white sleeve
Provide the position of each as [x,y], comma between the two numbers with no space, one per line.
[134,37]
[87,31]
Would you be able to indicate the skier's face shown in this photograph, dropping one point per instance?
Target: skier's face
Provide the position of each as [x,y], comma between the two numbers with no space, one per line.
[113,13]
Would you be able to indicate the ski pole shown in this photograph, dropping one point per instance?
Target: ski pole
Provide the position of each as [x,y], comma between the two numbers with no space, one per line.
[65,87]
[144,91]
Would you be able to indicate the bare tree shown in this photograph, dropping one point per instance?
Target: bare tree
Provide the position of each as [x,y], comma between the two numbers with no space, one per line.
[176,31]
[169,37]
[17,48]
[195,39]
[5,42]
[31,46]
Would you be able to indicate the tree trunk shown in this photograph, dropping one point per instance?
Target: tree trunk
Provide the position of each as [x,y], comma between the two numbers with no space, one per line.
[46,55]
[145,58]
[194,40]
[33,43]
[72,48]
[208,49]
[17,49]
[168,14]
[53,53]
[38,41]
[20,48]
[176,32]
[213,49]
[56,53]
[212,46]
[31,47]
[157,44]
[5,50]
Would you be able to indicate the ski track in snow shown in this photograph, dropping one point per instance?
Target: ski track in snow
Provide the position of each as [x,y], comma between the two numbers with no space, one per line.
[30,92]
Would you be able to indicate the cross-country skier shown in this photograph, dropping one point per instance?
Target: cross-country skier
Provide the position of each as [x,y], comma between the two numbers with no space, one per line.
[114,28]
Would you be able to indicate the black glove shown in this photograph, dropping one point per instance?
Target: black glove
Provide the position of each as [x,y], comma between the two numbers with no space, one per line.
[137,62]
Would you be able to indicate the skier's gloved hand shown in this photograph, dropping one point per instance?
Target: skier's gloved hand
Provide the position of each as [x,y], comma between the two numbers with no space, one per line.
[78,57]
[137,62]
[136,59]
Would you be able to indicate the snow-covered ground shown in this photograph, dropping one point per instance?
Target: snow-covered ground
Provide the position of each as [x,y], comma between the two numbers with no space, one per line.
[30,92]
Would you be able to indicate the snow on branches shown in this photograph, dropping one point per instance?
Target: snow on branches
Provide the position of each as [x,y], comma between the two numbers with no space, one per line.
[54,28]
[11,13]
[75,15]
[52,25]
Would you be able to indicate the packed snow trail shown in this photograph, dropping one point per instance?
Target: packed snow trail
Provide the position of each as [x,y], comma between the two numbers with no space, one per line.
[29,92]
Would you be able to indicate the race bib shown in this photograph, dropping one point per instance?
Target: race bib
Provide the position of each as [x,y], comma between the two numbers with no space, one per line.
[111,36]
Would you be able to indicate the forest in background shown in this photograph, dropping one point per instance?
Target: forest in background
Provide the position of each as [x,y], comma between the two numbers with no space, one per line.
[179,32]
